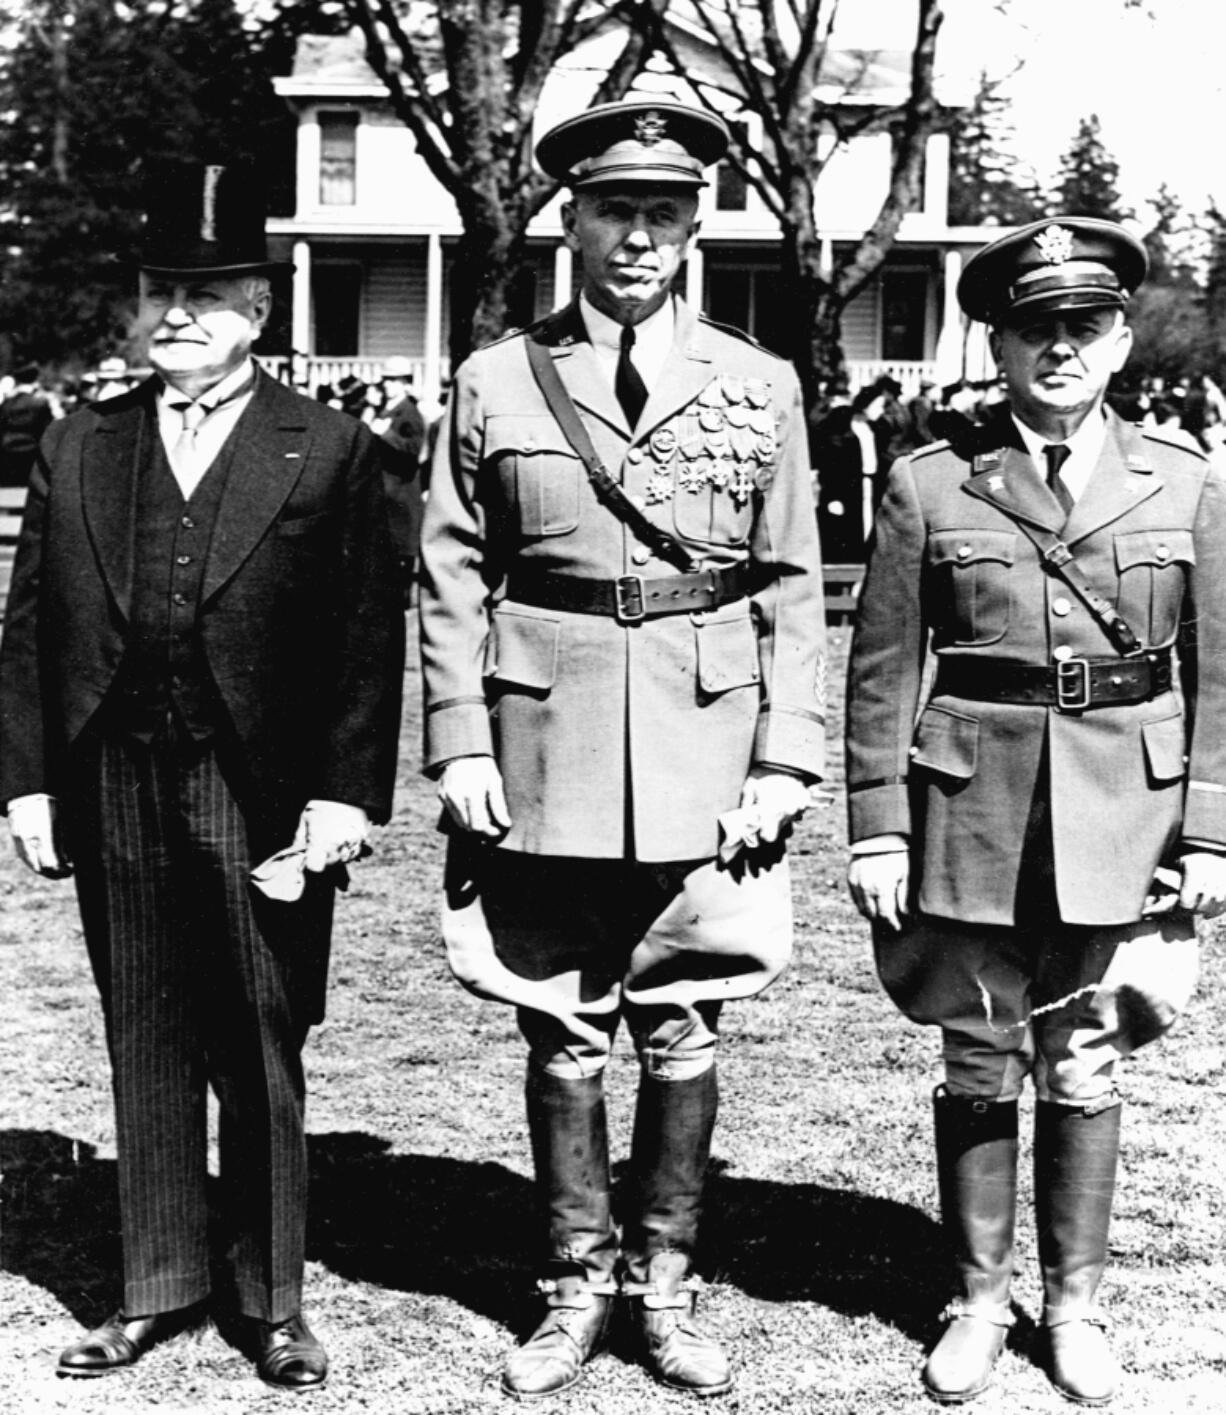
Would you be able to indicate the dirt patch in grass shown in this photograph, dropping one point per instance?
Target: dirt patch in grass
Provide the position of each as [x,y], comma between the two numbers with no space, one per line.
[821,1256]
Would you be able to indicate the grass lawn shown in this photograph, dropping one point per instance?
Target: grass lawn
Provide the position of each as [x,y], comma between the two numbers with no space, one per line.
[822,1258]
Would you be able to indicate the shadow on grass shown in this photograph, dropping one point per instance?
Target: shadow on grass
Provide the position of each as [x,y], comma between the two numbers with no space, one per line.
[468,1231]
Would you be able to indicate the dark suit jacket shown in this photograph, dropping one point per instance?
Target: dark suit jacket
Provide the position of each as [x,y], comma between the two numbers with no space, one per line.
[300,614]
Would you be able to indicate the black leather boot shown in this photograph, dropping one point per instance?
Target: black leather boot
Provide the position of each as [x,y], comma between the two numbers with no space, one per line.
[1076,1150]
[570,1150]
[976,1143]
[672,1144]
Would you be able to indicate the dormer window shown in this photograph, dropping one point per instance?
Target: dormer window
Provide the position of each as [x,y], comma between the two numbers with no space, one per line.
[338,159]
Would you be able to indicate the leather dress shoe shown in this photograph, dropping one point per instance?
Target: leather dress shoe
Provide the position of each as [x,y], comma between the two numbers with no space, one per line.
[1083,1368]
[119,1341]
[678,1352]
[288,1355]
[553,1357]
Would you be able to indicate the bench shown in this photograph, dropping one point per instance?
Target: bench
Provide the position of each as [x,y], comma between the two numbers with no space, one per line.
[842,584]
[12,504]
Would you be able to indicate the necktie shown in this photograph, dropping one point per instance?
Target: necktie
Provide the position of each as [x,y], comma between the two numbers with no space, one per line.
[1056,454]
[185,455]
[628,385]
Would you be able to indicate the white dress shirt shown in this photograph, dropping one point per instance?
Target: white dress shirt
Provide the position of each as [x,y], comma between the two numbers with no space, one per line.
[1084,449]
[221,411]
[653,341]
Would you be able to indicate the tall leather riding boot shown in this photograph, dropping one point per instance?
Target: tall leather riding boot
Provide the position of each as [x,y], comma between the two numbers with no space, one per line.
[672,1144]
[570,1150]
[976,1142]
[1076,1150]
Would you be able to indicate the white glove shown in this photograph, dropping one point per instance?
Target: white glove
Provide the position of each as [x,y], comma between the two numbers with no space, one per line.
[331,833]
[470,789]
[32,823]
[771,801]
[1203,883]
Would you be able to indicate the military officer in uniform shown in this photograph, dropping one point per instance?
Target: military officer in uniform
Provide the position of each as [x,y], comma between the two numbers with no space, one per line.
[1034,841]
[623,644]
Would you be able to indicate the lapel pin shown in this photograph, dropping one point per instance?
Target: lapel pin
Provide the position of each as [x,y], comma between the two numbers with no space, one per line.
[996,483]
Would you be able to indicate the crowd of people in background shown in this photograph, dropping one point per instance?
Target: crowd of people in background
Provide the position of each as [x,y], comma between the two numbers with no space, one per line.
[855,438]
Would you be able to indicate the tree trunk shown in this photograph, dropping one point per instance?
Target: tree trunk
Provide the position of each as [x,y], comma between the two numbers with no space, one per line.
[488,257]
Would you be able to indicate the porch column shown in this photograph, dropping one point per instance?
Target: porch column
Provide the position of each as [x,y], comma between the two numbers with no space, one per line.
[693,279]
[563,274]
[949,351]
[432,379]
[300,305]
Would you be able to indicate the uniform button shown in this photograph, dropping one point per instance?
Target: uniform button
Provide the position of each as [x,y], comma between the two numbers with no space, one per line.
[188,522]
[176,681]
[1061,652]
[183,560]
[1061,606]
[634,455]
[529,444]
[1163,552]
[963,551]
[640,557]
[179,598]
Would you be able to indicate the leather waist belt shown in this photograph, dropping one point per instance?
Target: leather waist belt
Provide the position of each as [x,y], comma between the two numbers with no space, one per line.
[630,598]
[1071,686]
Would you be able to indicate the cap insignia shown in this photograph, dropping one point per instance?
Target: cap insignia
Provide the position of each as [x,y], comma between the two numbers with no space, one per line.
[650,128]
[1055,244]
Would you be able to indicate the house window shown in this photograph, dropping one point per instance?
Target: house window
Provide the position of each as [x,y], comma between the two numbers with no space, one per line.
[904,313]
[336,297]
[338,159]
[747,297]
[731,189]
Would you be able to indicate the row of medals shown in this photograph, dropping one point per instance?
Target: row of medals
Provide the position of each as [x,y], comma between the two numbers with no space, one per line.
[728,443]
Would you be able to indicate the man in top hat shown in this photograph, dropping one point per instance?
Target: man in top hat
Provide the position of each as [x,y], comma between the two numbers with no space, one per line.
[614,661]
[1034,840]
[201,668]
[403,434]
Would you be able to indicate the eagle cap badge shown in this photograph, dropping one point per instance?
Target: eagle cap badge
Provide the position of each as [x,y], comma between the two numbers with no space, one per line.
[650,128]
[1055,244]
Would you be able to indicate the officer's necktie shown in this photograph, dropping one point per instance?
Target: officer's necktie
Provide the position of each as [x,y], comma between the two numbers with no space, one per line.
[185,454]
[628,385]
[1057,454]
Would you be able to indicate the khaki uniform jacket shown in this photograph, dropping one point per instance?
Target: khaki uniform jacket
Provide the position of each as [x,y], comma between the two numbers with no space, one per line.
[1125,783]
[620,740]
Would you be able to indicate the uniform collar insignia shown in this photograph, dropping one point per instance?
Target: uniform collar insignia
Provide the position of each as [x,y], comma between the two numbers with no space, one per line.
[1055,244]
[985,462]
[1137,462]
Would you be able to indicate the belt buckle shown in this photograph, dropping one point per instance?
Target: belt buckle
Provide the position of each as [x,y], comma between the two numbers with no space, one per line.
[629,598]
[1072,685]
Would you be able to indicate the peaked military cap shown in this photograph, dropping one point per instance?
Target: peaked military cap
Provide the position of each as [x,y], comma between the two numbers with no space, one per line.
[1065,262]
[204,219]
[640,139]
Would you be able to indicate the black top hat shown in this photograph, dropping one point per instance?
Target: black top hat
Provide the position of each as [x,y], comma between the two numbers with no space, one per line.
[1065,262]
[640,139]
[204,219]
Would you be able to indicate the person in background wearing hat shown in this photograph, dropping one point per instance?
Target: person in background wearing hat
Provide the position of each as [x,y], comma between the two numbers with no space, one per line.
[201,667]
[111,379]
[402,431]
[24,416]
[608,674]
[1034,841]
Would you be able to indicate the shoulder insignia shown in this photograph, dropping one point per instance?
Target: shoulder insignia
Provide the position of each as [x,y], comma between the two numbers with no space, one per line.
[930,449]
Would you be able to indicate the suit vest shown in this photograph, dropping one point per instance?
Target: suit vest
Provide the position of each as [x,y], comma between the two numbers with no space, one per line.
[164,668]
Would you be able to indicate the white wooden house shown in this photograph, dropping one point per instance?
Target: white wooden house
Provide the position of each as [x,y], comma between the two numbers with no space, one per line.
[372,231]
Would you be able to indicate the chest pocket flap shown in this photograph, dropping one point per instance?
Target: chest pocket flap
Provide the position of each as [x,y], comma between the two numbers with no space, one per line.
[540,471]
[972,547]
[1156,548]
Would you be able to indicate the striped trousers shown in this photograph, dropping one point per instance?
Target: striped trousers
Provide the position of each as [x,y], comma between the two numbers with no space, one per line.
[202,982]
